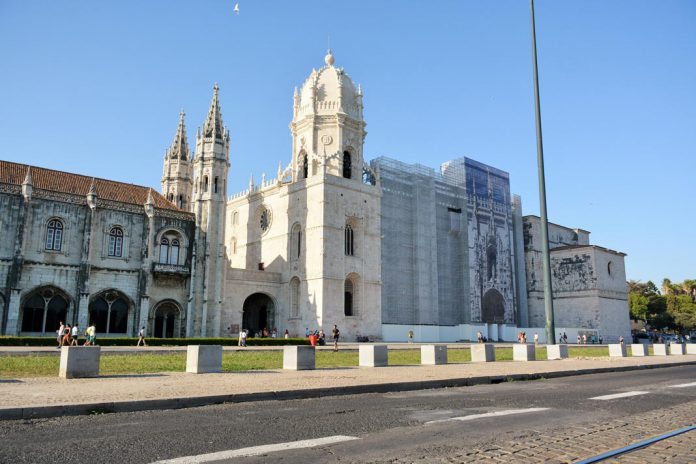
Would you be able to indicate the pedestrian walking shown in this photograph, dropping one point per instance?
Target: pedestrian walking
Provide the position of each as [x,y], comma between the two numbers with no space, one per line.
[66,335]
[336,334]
[59,332]
[242,337]
[141,337]
[75,336]
[287,334]
[536,339]
[579,339]
[92,337]
[479,336]
[621,339]
[584,339]
[410,336]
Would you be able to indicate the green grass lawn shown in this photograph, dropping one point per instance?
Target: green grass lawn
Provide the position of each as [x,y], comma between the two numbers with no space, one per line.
[47,366]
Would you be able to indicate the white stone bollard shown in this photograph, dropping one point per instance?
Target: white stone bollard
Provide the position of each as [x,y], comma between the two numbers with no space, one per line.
[373,356]
[433,354]
[556,352]
[79,361]
[691,348]
[203,359]
[639,349]
[523,352]
[676,348]
[482,352]
[659,349]
[617,350]
[298,358]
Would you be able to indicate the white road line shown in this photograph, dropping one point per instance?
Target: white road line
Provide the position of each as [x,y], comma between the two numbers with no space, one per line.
[257,450]
[507,412]
[619,395]
[683,385]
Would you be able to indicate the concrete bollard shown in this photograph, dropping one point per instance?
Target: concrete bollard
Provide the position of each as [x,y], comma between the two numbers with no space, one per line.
[298,358]
[659,349]
[203,359]
[617,350]
[691,348]
[556,352]
[433,354]
[373,356]
[482,352]
[676,348]
[639,349]
[523,352]
[79,361]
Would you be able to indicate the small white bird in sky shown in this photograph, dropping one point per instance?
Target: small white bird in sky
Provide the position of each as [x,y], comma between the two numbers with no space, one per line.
[236,8]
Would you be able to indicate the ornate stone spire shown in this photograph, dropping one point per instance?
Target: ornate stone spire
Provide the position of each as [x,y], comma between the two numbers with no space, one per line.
[179,148]
[92,195]
[149,204]
[213,123]
[28,185]
[329,58]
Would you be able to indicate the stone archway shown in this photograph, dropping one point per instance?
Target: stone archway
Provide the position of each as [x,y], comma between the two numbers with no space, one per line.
[109,312]
[493,307]
[44,309]
[166,321]
[258,313]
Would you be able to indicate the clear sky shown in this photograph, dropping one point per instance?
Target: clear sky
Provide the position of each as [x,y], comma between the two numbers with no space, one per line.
[95,87]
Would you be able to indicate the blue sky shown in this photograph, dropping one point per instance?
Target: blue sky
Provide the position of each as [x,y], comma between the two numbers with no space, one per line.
[96,88]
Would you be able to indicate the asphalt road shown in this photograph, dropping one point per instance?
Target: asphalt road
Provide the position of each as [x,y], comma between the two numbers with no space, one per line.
[403,427]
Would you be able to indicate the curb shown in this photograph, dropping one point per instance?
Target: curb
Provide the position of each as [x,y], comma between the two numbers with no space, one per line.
[37,412]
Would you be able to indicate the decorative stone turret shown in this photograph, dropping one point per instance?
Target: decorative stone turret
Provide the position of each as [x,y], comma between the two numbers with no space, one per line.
[28,185]
[176,179]
[92,195]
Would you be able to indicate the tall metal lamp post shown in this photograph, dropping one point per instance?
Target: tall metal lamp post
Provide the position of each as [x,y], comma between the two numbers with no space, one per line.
[548,290]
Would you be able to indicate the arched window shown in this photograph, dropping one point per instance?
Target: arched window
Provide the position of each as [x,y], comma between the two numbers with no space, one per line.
[235,218]
[347,165]
[305,166]
[205,183]
[44,311]
[181,202]
[116,242]
[170,197]
[164,250]
[54,235]
[174,252]
[295,297]
[348,298]
[349,244]
[296,241]
[109,313]
[215,185]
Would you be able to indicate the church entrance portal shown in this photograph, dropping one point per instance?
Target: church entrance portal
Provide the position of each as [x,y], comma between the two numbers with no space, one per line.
[259,313]
[493,307]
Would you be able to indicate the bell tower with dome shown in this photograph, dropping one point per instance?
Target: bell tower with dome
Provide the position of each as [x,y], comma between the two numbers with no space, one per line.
[327,127]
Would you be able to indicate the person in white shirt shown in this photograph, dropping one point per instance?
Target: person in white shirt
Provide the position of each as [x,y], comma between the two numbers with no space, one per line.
[75,335]
[60,331]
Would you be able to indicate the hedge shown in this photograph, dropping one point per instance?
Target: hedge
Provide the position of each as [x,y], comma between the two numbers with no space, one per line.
[132,341]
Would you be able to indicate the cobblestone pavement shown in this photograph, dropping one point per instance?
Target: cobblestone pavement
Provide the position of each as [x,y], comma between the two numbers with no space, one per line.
[581,441]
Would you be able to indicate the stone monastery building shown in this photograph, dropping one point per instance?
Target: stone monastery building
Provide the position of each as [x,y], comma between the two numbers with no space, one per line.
[377,248]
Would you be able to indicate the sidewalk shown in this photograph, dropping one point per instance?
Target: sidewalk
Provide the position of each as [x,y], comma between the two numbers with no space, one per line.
[49,397]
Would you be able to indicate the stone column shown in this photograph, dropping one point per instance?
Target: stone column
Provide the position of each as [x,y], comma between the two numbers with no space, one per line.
[13,313]
[144,313]
[83,310]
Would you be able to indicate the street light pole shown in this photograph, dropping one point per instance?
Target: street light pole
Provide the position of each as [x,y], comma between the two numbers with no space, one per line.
[548,290]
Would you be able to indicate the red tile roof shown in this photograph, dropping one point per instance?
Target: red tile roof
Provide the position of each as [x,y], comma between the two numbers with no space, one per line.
[76,184]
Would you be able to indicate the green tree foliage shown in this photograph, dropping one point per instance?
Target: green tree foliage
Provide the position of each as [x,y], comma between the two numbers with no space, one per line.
[671,307]
[638,306]
[682,310]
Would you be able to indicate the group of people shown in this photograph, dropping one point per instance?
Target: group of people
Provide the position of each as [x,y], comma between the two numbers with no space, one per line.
[70,335]
[318,337]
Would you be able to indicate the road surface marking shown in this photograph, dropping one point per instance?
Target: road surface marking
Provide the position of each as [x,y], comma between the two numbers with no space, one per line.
[619,395]
[683,385]
[507,412]
[257,450]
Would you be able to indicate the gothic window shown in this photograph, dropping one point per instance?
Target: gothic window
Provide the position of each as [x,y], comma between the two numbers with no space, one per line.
[170,197]
[348,298]
[44,311]
[265,220]
[349,243]
[181,202]
[109,313]
[205,183]
[347,165]
[215,185]
[295,297]
[164,250]
[305,166]
[54,235]
[296,241]
[116,242]
[174,252]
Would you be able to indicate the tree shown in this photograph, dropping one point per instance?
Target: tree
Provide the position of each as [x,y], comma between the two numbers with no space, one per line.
[682,310]
[638,306]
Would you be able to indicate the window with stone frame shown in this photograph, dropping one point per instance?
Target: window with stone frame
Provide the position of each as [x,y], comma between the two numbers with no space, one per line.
[349,241]
[348,309]
[295,297]
[296,242]
[115,242]
[54,235]
[347,165]
[171,245]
